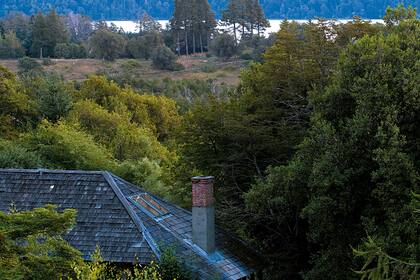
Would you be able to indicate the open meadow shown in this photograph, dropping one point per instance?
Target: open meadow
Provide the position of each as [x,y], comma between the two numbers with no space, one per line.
[195,67]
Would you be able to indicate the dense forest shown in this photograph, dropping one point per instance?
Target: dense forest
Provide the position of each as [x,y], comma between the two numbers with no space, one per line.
[163,9]
[315,153]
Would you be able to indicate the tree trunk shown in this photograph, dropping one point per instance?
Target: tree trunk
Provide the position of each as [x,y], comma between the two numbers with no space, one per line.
[186,42]
[178,45]
[193,38]
[201,43]
[234,32]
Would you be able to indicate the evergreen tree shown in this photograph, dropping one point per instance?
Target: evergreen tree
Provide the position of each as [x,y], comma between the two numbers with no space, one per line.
[230,16]
[177,25]
[32,247]
[10,46]
[21,25]
[192,24]
[261,22]
[47,32]
[206,23]
[147,24]
[39,36]
[247,16]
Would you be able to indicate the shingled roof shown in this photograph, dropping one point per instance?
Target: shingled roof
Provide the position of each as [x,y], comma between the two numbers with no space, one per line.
[112,215]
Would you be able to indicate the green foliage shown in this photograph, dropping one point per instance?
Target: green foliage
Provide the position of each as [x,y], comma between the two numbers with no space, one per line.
[208,67]
[380,266]
[16,109]
[223,45]
[125,139]
[170,267]
[47,32]
[146,173]
[393,16]
[355,170]
[192,24]
[145,45]
[10,46]
[31,246]
[20,24]
[54,97]
[29,67]
[353,30]
[184,92]
[246,16]
[165,59]
[65,146]
[148,24]
[156,113]
[13,155]
[106,44]
[69,50]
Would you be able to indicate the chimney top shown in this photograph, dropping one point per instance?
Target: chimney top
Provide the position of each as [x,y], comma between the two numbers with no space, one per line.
[203,228]
[202,178]
[202,191]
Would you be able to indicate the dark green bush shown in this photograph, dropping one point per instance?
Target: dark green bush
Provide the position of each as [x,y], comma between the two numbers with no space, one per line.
[223,45]
[70,51]
[27,65]
[165,59]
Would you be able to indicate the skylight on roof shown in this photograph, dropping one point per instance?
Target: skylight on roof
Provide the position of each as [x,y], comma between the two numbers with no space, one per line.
[152,207]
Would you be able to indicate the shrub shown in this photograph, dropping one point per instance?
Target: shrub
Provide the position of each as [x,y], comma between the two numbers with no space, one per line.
[47,62]
[223,45]
[27,65]
[53,97]
[208,67]
[165,59]
[70,51]
[66,146]
[106,44]
[247,54]
[145,45]
[12,155]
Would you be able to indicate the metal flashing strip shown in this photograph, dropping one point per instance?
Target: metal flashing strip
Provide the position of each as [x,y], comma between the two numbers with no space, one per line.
[139,224]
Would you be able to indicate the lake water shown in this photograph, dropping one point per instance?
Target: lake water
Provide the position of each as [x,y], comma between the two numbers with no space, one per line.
[130,26]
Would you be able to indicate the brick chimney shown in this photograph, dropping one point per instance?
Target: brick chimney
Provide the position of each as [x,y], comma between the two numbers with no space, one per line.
[203,233]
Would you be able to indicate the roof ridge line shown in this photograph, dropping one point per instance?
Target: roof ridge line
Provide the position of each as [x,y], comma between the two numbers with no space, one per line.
[46,170]
[136,220]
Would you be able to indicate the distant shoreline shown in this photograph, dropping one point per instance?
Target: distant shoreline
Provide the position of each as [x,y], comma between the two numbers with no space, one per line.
[129,26]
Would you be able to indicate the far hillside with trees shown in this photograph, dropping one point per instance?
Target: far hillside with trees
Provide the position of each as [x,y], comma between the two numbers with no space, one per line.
[163,9]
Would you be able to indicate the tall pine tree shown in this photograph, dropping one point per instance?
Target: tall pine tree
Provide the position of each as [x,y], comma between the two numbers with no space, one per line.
[192,24]
[246,16]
